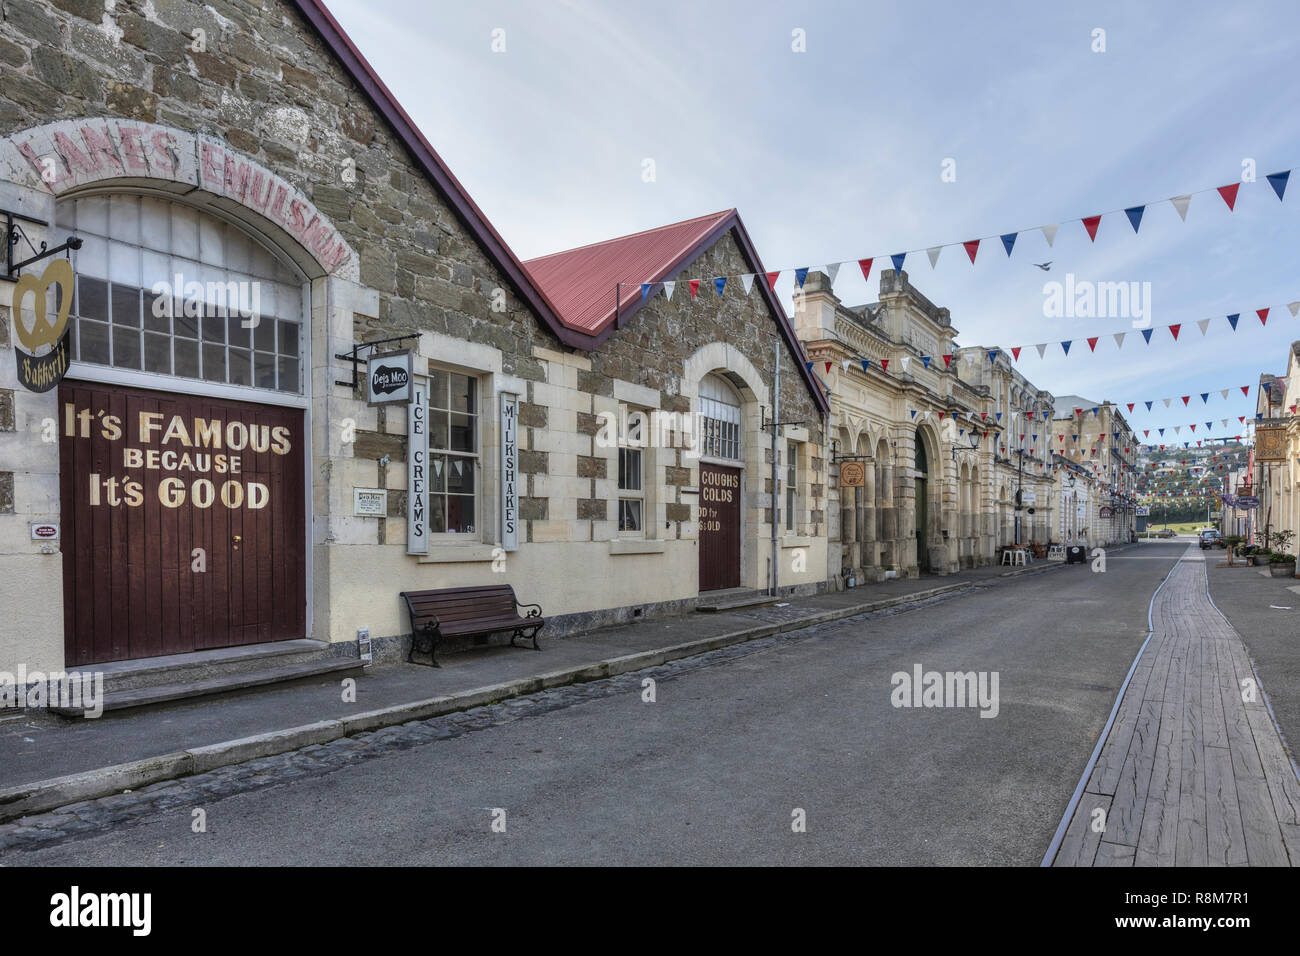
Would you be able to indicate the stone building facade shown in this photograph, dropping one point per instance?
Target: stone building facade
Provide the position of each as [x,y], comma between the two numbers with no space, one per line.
[205,467]
[1097,481]
[932,426]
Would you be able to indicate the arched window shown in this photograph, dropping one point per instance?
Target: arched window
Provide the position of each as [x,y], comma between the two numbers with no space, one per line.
[720,414]
[921,463]
[164,288]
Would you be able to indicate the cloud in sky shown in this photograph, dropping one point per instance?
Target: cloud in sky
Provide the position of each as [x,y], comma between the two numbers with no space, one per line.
[836,152]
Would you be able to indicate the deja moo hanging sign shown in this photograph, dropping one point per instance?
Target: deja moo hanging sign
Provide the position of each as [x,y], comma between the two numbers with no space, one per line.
[41,372]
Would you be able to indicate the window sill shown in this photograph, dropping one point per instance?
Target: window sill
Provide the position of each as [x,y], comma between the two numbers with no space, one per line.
[635,546]
[458,554]
[796,541]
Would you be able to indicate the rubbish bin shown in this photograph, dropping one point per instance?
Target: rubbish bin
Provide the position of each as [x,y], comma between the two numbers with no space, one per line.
[1075,554]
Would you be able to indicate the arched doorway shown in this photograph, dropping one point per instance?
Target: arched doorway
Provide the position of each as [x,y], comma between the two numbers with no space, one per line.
[922,505]
[721,457]
[182,453]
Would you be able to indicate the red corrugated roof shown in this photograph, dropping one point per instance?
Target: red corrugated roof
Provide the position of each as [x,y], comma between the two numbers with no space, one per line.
[581,282]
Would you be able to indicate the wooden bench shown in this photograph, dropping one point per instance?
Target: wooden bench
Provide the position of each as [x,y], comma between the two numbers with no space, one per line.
[468,612]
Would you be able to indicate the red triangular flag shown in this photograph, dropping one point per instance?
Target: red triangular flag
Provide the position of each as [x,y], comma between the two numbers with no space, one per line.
[1242,419]
[941,416]
[947,361]
[1245,389]
[971,248]
[1130,406]
[865,265]
[984,416]
[1174,329]
[1229,194]
[1091,224]
[1015,352]
[1185,398]
[771,280]
[828,368]
[1092,343]
[1263,315]
[884,363]
[695,287]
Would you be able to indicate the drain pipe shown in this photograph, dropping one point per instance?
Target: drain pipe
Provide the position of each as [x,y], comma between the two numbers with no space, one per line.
[776,494]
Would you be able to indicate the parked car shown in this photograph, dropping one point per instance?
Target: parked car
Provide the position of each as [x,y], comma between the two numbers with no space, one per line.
[1210,538]
[1165,533]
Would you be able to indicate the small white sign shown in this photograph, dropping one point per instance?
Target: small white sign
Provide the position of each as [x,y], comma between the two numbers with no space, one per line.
[388,378]
[370,502]
[45,531]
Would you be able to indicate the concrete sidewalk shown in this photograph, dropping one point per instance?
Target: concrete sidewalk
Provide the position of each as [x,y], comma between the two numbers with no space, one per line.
[46,761]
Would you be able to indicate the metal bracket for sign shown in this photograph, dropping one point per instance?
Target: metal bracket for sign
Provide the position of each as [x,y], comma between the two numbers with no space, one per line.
[14,231]
[766,424]
[356,359]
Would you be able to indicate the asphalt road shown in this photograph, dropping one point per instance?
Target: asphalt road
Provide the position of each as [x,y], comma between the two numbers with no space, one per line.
[713,771]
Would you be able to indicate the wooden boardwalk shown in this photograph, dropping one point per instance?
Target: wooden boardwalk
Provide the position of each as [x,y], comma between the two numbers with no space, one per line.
[1192,772]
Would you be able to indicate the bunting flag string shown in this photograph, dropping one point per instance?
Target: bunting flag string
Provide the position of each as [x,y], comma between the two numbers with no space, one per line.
[1133,214]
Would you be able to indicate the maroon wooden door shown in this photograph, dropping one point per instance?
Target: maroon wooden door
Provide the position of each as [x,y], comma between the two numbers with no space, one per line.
[719,527]
[183,523]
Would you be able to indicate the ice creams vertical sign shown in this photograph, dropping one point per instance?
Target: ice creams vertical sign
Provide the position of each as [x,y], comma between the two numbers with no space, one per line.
[417,468]
[509,471]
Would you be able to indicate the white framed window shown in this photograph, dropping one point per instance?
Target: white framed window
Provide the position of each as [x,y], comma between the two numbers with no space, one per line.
[791,484]
[720,413]
[631,477]
[167,289]
[454,453]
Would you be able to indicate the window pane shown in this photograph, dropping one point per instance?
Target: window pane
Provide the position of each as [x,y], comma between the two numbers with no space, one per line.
[126,305]
[460,514]
[460,475]
[241,368]
[288,337]
[629,515]
[187,326]
[264,335]
[187,358]
[629,469]
[438,429]
[157,353]
[437,514]
[462,432]
[462,394]
[264,370]
[438,386]
[126,347]
[92,298]
[94,341]
[236,332]
[214,363]
[288,375]
[438,469]
[153,305]
[214,329]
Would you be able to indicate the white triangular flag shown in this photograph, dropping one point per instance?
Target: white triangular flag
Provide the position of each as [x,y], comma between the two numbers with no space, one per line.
[1178,429]
[1294,307]
[1224,421]
[832,270]
[1167,401]
[933,253]
[1223,392]
[845,364]
[927,414]
[669,286]
[1203,324]
[1180,203]
[905,362]
[1119,339]
[747,280]
[1041,349]
[1049,233]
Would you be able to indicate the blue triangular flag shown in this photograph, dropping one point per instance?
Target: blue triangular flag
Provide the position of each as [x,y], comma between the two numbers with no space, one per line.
[993,355]
[914,413]
[645,290]
[866,364]
[1207,425]
[961,432]
[999,415]
[1146,334]
[809,365]
[1134,214]
[1259,416]
[1162,433]
[1205,398]
[1278,182]
[719,282]
[1094,409]
[897,260]
[1115,435]
[925,360]
[1267,387]
[1008,241]
[800,275]
[1066,345]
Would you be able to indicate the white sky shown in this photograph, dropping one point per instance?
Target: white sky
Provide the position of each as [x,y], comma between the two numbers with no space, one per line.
[836,153]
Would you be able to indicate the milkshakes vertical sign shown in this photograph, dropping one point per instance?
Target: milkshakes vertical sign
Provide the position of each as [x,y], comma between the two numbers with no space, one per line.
[509,472]
[417,468]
